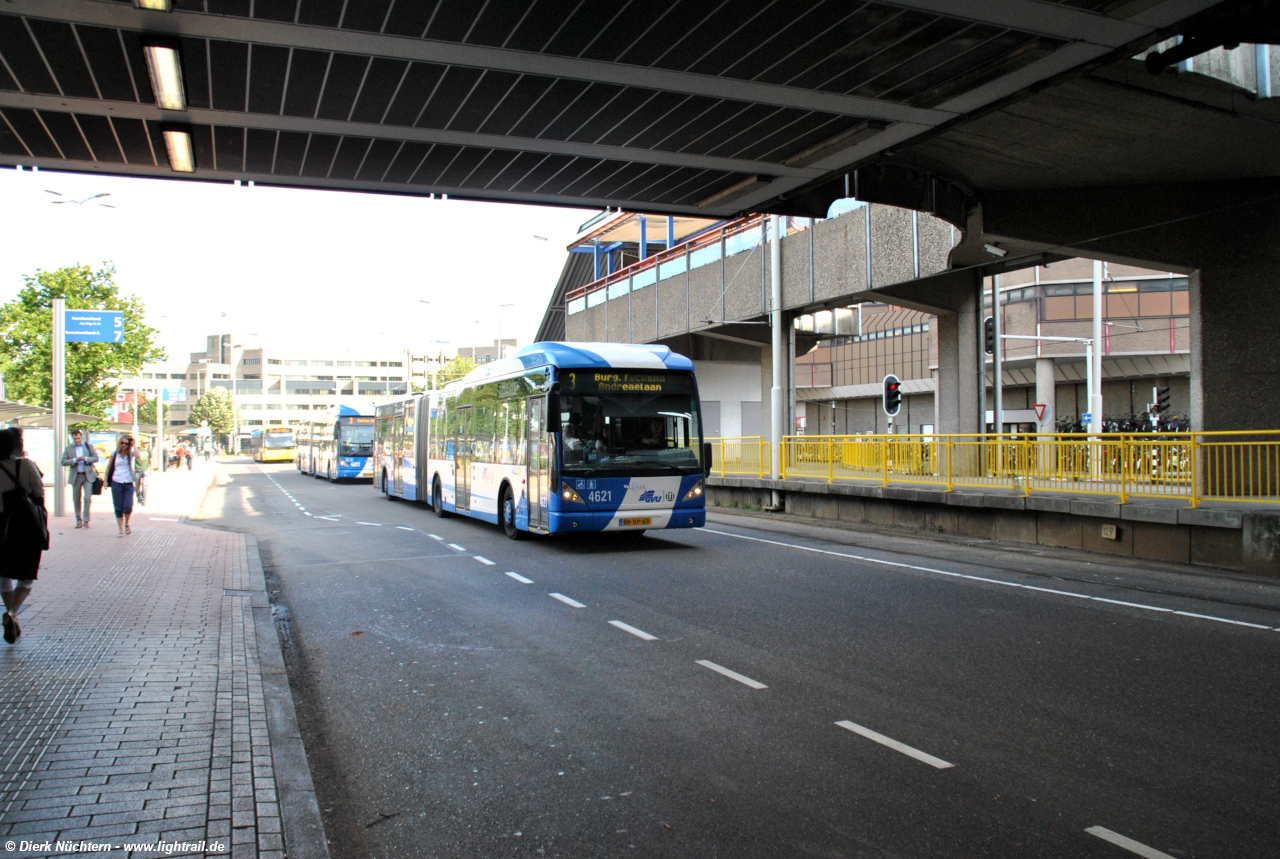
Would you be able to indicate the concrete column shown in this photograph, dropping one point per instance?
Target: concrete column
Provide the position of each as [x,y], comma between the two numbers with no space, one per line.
[1046,391]
[956,399]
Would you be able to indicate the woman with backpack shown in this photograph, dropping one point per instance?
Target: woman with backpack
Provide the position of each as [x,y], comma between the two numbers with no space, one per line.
[22,541]
[123,481]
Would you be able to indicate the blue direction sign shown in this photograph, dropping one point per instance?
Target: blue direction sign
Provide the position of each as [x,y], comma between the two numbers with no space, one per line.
[94,326]
[173,395]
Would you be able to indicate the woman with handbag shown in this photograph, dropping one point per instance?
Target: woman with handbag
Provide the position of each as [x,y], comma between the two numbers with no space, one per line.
[122,480]
[22,545]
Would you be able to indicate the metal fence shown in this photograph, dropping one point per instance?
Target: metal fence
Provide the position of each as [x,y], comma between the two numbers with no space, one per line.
[1192,467]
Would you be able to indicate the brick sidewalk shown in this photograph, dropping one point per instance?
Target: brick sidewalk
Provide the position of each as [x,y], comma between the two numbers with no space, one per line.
[146,700]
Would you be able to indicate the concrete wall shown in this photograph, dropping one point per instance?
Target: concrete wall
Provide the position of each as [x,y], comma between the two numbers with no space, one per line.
[1245,541]
[728,383]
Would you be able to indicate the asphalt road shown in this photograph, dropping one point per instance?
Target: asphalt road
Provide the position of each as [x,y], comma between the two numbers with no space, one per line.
[758,688]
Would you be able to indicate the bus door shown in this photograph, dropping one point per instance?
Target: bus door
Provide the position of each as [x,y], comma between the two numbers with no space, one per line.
[539,464]
[462,461]
[397,452]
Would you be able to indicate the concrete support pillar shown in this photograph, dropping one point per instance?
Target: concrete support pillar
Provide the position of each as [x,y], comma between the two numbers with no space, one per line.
[956,402]
[1046,391]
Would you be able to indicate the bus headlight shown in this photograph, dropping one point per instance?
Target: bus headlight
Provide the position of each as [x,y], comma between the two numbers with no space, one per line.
[568,494]
[694,493]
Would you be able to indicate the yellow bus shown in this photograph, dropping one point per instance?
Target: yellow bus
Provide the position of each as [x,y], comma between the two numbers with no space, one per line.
[274,444]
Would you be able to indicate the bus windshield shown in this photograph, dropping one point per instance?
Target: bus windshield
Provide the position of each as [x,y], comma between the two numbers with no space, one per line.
[356,440]
[642,425]
[279,440]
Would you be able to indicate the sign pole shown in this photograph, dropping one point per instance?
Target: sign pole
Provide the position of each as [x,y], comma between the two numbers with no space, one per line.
[59,406]
[164,457]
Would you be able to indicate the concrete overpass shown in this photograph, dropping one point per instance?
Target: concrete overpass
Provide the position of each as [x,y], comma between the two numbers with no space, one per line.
[1027,124]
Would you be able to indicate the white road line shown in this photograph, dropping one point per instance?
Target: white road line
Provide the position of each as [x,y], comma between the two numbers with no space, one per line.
[456,546]
[564,599]
[732,675]
[895,745]
[638,633]
[404,527]
[988,580]
[435,537]
[482,559]
[327,518]
[305,513]
[521,579]
[374,524]
[1129,844]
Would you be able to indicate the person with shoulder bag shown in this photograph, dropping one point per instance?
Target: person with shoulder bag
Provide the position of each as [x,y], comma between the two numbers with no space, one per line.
[123,482]
[24,528]
[79,457]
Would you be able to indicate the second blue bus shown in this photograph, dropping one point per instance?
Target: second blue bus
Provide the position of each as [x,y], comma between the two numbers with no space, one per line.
[338,445]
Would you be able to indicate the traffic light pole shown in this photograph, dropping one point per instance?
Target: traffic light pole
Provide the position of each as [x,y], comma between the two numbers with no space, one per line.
[997,381]
[59,406]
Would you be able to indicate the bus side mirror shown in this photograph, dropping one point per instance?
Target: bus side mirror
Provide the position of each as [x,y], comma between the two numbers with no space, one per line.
[553,409]
[706,458]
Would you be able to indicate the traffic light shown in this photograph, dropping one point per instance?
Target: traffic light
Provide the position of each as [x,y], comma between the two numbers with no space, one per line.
[989,335]
[892,395]
[1160,398]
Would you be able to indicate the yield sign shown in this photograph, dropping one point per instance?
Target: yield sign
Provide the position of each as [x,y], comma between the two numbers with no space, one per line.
[1040,408]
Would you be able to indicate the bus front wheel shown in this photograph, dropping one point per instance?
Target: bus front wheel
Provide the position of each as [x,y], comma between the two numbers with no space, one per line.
[507,512]
[437,499]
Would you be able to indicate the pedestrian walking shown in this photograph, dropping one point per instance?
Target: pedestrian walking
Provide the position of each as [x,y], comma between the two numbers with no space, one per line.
[79,457]
[120,477]
[23,525]
[186,454]
[142,471]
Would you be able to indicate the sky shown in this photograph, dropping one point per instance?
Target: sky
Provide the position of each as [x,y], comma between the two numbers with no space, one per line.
[301,269]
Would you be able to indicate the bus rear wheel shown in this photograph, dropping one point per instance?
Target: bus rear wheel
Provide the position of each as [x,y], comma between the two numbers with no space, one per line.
[437,499]
[507,514]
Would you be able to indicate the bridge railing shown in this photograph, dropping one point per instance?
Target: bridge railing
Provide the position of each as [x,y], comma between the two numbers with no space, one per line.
[1190,467]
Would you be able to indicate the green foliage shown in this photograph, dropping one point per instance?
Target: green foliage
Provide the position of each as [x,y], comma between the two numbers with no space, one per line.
[147,412]
[218,407]
[26,340]
[454,370]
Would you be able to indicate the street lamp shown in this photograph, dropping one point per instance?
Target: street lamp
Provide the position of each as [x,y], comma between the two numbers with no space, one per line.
[79,203]
[501,348]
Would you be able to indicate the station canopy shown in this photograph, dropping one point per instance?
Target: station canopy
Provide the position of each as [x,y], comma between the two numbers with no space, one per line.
[672,107]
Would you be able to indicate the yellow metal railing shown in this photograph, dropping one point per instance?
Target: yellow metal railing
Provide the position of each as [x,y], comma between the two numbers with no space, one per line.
[747,456]
[1192,467]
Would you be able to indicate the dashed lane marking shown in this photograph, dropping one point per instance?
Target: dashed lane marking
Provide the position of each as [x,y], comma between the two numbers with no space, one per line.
[435,537]
[521,579]
[939,763]
[564,599]
[732,675]
[456,546]
[328,518]
[638,633]
[992,581]
[1135,847]
[404,527]
[482,559]
[374,524]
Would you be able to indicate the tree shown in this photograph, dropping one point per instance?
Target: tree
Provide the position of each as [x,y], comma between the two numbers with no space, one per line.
[218,407]
[147,412]
[453,370]
[26,340]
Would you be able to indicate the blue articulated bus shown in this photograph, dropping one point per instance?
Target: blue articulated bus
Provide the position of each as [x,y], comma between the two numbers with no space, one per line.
[338,445]
[560,438]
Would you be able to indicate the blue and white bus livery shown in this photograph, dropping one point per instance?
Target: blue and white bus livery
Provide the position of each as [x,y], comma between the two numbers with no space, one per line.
[560,438]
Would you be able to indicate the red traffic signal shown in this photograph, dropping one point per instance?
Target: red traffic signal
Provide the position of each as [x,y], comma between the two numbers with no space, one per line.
[892,395]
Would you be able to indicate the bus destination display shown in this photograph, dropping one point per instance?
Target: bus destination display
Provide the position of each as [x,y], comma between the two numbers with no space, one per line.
[614,382]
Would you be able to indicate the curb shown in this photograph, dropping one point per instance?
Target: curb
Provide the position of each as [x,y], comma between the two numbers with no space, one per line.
[299,809]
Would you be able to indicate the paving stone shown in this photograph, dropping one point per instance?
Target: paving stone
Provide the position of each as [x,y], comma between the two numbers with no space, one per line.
[159,724]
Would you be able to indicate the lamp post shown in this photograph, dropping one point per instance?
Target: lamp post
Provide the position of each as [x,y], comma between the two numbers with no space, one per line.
[501,348]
